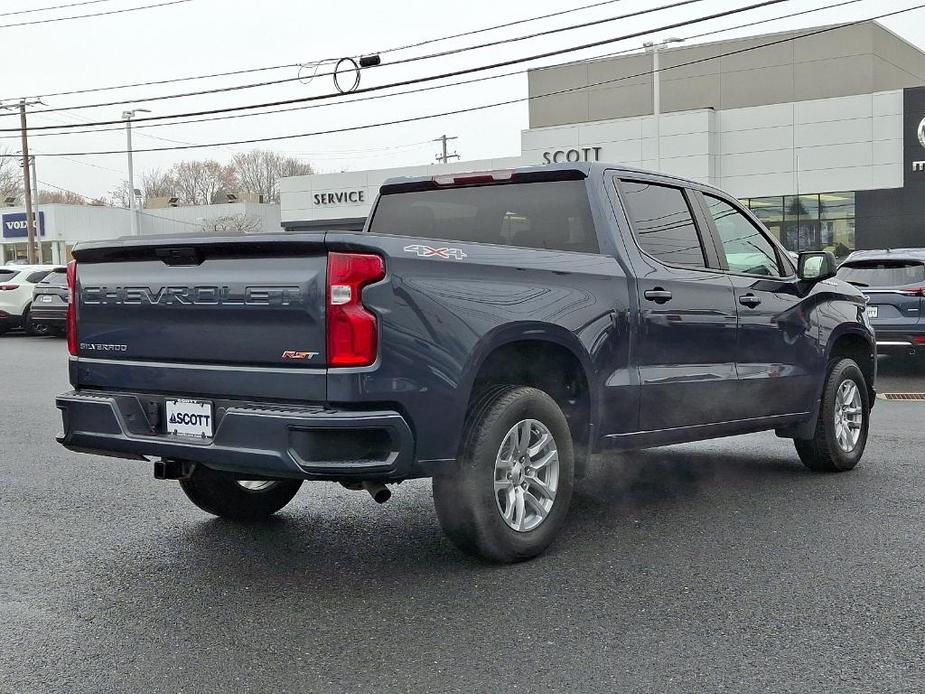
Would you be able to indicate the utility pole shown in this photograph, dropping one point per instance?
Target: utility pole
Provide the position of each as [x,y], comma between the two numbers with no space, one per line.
[27,181]
[445,157]
[132,203]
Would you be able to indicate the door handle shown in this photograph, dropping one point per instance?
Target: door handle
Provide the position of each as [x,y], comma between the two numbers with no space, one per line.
[658,295]
[749,300]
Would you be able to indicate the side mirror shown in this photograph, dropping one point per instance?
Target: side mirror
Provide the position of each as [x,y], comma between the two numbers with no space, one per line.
[815,266]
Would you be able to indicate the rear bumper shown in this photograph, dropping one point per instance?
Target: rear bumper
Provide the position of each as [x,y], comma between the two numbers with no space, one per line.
[900,341]
[259,439]
[48,316]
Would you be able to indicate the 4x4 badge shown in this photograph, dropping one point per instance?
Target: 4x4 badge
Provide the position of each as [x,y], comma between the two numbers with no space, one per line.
[428,252]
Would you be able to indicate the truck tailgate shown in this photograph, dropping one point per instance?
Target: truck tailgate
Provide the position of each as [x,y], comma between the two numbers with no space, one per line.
[248,301]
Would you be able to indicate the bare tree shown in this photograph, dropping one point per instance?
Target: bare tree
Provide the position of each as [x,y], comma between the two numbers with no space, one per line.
[10,175]
[62,197]
[120,197]
[158,184]
[200,182]
[232,223]
[258,172]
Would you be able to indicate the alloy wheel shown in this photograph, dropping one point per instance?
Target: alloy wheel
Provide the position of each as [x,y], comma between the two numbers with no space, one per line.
[849,415]
[526,475]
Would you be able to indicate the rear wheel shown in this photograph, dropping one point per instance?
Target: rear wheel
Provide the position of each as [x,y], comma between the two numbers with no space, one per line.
[224,495]
[32,328]
[507,496]
[844,414]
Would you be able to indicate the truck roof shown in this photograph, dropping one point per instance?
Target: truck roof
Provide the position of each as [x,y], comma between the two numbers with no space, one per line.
[564,171]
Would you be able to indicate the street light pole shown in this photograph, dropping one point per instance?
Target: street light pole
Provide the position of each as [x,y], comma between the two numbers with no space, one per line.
[657,93]
[132,204]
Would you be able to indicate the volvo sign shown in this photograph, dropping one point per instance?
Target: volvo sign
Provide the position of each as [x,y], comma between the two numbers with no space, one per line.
[15,225]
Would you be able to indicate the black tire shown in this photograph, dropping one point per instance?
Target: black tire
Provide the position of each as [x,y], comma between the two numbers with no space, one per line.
[467,503]
[823,453]
[221,495]
[31,328]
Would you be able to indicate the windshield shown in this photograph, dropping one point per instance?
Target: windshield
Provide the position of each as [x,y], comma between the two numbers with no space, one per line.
[57,278]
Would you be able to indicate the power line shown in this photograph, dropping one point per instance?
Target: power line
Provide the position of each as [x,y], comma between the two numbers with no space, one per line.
[141,212]
[431,78]
[268,68]
[54,7]
[94,14]
[441,54]
[508,102]
[432,87]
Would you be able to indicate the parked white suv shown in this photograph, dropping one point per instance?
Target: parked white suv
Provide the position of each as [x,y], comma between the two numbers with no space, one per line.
[17,283]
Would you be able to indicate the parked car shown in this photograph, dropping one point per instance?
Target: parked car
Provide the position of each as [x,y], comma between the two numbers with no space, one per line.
[893,281]
[49,303]
[489,330]
[17,283]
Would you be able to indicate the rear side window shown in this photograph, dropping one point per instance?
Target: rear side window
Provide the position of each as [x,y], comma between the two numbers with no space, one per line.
[554,215]
[883,273]
[662,223]
[7,274]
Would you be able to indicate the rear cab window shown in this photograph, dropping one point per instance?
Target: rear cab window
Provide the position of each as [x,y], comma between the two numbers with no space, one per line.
[882,273]
[551,215]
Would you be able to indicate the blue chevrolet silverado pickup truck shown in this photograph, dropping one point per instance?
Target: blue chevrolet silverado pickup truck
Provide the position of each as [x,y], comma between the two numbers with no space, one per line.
[490,330]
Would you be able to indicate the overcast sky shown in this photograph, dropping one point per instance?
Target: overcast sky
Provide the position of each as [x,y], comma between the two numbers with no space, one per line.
[205,36]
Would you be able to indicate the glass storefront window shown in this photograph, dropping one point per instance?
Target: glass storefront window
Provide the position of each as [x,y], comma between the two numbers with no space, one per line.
[809,222]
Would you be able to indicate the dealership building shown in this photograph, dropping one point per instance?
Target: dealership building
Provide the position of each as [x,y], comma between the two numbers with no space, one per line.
[822,136]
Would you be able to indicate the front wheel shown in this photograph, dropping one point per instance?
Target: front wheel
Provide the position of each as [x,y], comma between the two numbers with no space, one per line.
[507,496]
[226,496]
[844,418]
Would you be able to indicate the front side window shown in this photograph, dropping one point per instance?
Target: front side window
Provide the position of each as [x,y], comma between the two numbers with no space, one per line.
[662,223]
[746,248]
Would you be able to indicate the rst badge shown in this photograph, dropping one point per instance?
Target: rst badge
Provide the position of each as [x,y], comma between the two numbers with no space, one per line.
[429,252]
[302,356]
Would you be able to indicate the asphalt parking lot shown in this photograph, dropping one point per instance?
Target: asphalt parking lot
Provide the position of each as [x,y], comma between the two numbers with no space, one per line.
[720,566]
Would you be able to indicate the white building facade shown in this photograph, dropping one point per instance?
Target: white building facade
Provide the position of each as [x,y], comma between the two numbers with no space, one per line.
[824,139]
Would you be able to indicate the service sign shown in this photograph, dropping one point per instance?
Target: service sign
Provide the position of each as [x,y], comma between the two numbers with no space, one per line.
[14,225]
[914,133]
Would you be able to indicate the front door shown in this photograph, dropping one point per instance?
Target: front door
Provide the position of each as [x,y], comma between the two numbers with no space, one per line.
[776,346]
[686,333]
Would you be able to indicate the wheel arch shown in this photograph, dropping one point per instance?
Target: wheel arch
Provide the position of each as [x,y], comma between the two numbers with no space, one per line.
[847,340]
[545,356]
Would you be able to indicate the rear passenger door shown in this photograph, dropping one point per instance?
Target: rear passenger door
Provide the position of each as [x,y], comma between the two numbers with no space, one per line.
[776,348]
[685,351]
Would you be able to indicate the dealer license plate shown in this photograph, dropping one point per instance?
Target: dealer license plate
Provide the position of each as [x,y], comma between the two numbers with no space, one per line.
[189,418]
[872,311]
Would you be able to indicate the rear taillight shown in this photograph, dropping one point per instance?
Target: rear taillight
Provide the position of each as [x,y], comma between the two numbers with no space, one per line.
[8,287]
[914,291]
[71,321]
[352,330]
